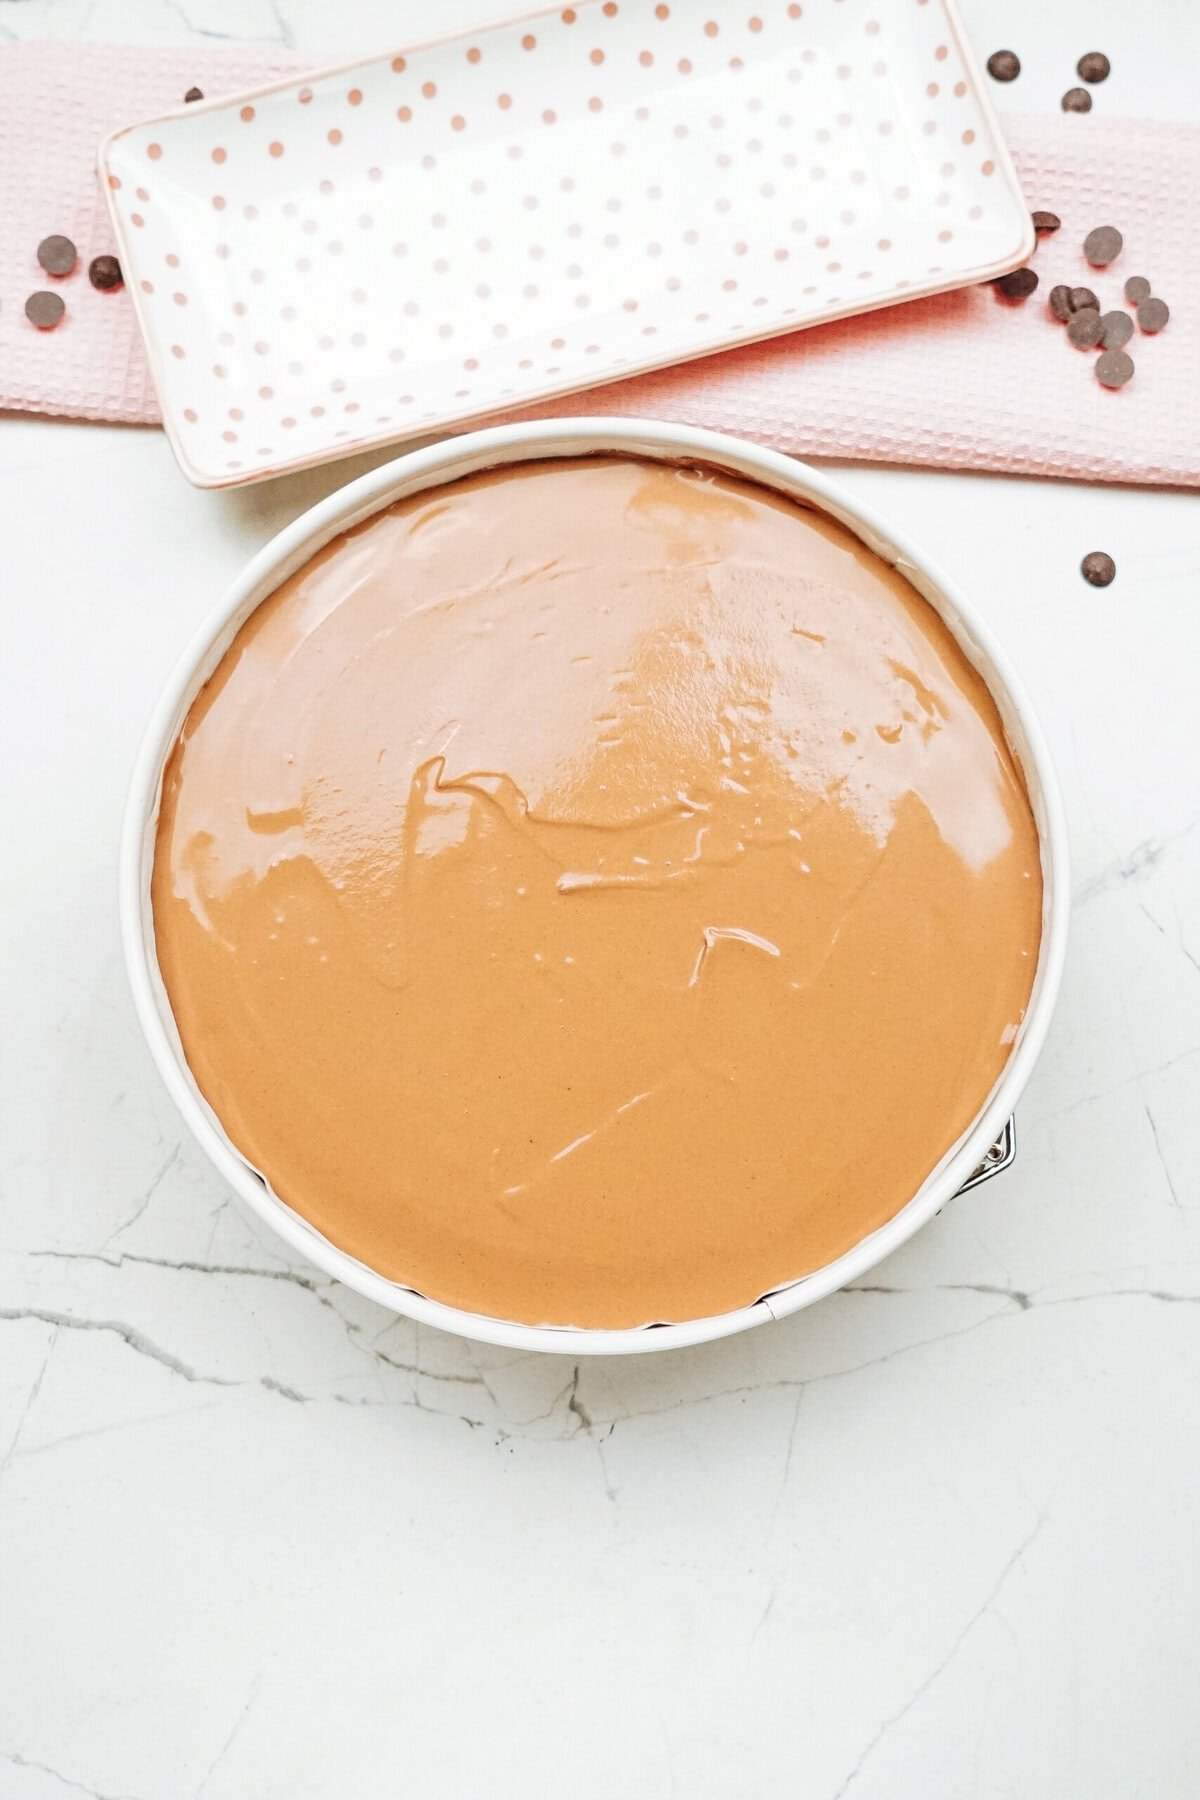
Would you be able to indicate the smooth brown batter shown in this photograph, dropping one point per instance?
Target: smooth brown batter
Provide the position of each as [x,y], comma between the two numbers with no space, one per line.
[596,892]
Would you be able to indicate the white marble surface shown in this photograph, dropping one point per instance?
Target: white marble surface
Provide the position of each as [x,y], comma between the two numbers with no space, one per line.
[934,1538]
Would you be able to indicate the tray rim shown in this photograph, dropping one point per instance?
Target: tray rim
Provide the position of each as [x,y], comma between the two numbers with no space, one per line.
[458,419]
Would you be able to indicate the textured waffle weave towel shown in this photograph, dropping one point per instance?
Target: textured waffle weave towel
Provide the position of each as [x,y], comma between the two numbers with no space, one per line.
[961,380]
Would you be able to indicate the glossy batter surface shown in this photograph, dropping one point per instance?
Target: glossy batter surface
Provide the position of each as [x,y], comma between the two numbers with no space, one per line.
[596,892]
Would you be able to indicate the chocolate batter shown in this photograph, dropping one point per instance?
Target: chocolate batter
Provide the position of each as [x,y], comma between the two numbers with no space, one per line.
[596,892]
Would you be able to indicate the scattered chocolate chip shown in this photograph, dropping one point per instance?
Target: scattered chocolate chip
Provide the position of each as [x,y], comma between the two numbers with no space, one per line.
[1077,100]
[1116,329]
[1084,329]
[194,93]
[1137,288]
[1098,567]
[104,272]
[1153,314]
[45,310]
[1113,368]
[1018,285]
[1095,66]
[1060,303]
[57,255]
[1003,65]
[1046,222]
[1081,297]
[1103,246]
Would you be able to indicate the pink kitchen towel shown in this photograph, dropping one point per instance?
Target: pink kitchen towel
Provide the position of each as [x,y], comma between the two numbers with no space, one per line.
[960,381]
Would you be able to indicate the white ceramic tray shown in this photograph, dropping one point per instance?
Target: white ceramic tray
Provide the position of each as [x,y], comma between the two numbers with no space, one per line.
[388,249]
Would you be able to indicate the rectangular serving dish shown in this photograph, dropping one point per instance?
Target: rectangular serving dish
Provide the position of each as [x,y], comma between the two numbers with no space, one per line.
[509,214]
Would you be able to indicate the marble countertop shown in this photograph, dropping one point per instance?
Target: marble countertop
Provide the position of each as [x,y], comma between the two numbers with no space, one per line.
[934,1537]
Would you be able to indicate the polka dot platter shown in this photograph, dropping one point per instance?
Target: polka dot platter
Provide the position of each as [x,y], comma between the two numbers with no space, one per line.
[503,216]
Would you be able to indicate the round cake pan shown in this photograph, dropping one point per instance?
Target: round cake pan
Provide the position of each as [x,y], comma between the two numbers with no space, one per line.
[448,461]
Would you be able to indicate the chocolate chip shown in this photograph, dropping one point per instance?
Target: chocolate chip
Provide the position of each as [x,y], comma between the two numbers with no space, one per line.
[195,94]
[1116,329]
[1060,303]
[1081,297]
[57,255]
[1113,368]
[104,272]
[1018,285]
[1103,246]
[1098,567]
[1046,222]
[1095,66]
[1137,288]
[1084,329]
[1153,314]
[1077,100]
[1003,65]
[45,310]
